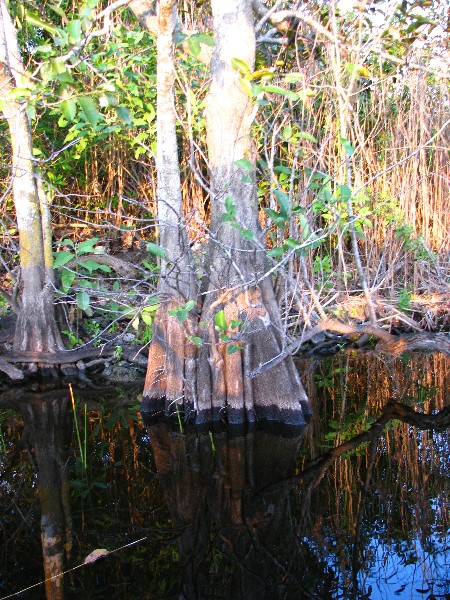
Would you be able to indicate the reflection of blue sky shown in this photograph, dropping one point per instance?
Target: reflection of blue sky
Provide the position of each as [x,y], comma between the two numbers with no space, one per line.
[408,560]
[411,575]
[401,569]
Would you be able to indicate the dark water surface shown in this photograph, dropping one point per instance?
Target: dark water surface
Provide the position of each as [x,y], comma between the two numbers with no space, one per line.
[356,505]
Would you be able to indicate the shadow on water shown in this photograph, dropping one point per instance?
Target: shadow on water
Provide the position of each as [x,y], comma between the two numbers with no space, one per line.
[355,506]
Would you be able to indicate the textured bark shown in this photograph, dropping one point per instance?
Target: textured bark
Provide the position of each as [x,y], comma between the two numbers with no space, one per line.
[36,328]
[236,266]
[217,384]
[171,363]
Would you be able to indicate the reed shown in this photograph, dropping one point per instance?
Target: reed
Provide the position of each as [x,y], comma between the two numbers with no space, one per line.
[82,443]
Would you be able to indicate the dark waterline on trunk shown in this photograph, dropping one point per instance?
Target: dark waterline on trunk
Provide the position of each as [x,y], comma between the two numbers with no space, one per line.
[355,505]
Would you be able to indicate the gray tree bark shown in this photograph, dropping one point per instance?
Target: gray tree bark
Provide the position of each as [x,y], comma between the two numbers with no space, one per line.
[172,357]
[236,260]
[36,328]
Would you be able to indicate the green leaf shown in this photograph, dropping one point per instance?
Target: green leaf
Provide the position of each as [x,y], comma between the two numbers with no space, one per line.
[69,109]
[275,253]
[155,249]
[307,136]
[276,89]
[244,163]
[247,234]
[189,305]
[124,115]
[227,217]
[344,192]
[220,320]
[294,77]
[61,258]
[283,201]
[83,300]
[34,19]
[87,246]
[232,348]
[67,278]
[89,110]
[194,45]
[58,10]
[250,89]
[291,243]
[230,206]
[195,340]
[349,149]
[279,220]
[240,66]
[43,49]
[57,66]
[205,38]
[74,30]
[65,243]
[146,317]
[92,265]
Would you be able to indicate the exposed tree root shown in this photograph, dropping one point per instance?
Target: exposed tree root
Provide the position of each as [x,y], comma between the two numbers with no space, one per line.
[12,372]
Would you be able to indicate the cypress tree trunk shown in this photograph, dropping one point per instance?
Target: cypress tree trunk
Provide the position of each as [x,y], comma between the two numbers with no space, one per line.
[236,260]
[239,300]
[36,328]
[171,364]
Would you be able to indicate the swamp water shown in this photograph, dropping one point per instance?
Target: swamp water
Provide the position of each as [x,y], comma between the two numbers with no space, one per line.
[357,505]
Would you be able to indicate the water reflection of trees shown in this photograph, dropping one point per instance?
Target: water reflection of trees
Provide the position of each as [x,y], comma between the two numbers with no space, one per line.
[236,536]
[389,493]
[248,516]
[46,435]
[240,537]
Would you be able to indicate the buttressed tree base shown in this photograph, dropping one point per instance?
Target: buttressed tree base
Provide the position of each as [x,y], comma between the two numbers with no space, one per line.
[205,346]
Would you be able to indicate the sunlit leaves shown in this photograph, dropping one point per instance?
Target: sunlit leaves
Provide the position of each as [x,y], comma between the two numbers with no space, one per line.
[220,321]
[89,110]
[241,66]
[74,31]
[69,109]
[34,19]
[195,42]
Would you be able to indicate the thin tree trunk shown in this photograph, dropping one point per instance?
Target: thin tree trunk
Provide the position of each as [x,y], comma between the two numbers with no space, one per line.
[171,364]
[36,328]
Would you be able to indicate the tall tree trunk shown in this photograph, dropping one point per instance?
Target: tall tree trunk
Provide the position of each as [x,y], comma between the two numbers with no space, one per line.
[172,357]
[236,262]
[236,282]
[36,328]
